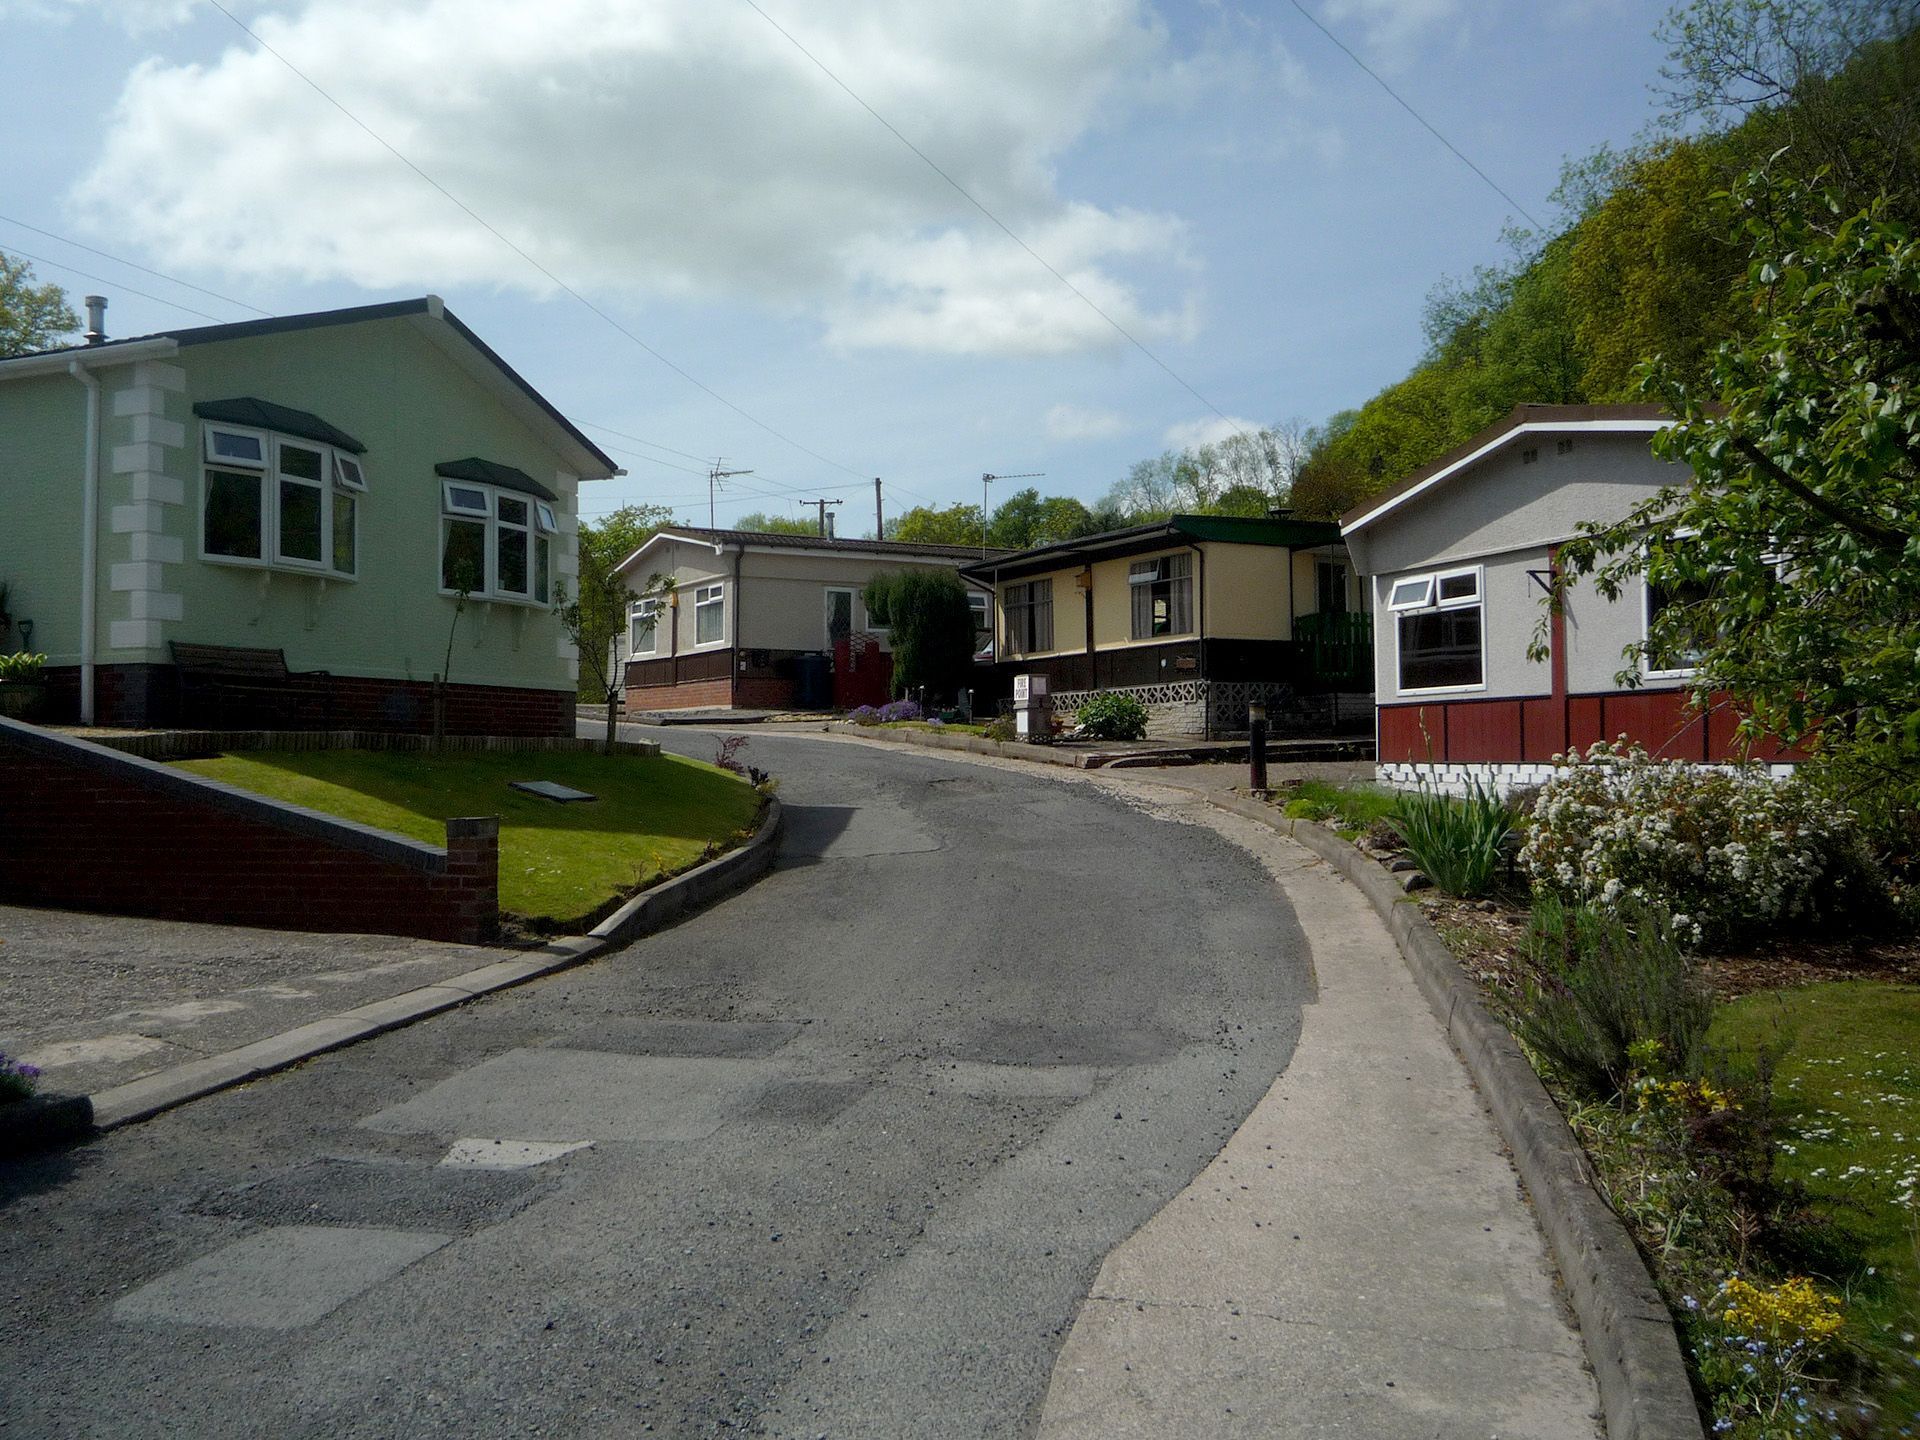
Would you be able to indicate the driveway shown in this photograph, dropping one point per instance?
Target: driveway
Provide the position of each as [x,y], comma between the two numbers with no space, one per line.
[841,1156]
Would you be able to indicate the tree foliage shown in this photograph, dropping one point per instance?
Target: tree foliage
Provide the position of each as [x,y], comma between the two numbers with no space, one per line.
[32,317]
[930,625]
[600,607]
[762,523]
[1794,538]
[1643,265]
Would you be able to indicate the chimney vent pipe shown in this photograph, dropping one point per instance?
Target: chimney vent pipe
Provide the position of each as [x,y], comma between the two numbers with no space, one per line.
[96,319]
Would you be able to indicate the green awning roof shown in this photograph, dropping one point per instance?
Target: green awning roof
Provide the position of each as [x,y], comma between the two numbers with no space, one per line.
[265,415]
[488,472]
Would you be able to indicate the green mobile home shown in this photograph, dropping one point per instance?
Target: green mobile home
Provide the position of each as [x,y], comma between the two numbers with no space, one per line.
[321,485]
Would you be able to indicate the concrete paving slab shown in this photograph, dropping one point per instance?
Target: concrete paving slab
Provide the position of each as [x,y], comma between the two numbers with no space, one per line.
[551,1094]
[281,1279]
[1233,1374]
[478,1154]
[380,1194]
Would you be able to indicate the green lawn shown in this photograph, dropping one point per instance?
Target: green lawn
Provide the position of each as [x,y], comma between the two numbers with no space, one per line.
[655,815]
[1847,1086]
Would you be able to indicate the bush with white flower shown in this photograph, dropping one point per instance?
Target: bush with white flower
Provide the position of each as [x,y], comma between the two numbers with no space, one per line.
[1728,852]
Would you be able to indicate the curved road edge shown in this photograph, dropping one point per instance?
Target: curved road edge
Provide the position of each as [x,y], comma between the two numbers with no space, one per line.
[1625,1326]
[649,911]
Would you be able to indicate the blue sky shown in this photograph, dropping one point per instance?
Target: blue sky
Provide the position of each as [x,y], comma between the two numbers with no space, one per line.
[1220,178]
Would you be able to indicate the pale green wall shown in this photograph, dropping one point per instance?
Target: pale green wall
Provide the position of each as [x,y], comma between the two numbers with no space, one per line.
[41,472]
[388,385]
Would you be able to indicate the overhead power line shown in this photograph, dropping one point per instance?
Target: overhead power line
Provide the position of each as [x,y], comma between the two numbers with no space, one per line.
[484,224]
[102,280]
[1004,228]
[134,265]
[1458,153]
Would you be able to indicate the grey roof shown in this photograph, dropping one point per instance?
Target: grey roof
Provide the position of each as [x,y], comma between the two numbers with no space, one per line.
[781,541]
[349,315]
[491,472]
[1230,529]
[265,415]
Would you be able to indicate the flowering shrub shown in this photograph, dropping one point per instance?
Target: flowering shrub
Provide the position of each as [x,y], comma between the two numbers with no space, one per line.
[864,715]
[1728,853]
[1112,716]
[1758,1348]
[16,1079]
[897,710]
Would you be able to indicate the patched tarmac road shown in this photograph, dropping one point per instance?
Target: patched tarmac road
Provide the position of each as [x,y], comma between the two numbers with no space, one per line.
[839,1157]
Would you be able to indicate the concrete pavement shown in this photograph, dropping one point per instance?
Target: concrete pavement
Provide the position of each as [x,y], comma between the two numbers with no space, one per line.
[1358,1261]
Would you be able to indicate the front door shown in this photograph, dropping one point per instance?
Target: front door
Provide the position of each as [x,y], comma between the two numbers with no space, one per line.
[839,616]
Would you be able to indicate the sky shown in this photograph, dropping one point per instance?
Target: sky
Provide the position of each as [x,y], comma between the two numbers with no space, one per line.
[702,230]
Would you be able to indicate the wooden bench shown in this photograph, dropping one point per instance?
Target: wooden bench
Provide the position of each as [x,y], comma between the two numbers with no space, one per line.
[228,686]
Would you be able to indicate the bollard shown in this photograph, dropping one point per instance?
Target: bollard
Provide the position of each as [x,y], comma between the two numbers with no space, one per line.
[1257,747]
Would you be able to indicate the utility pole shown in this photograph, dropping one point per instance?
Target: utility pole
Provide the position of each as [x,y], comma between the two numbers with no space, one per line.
[985,514]
[879,520]
[821,506]
[718,473]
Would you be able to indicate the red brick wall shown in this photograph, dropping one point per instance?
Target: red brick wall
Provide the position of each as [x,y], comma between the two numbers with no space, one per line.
[688,695]
[763,693]
[147,696]
[84,828]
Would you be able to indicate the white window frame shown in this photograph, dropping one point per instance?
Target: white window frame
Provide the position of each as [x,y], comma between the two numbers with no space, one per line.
[651,609]
[1425,598]
[826,610]
[705,597]
[348,472]
[269,476]
[473,503]
[503,527]
[1436,605]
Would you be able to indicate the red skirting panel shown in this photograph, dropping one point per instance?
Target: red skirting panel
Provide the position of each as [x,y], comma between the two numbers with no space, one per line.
[1534,729]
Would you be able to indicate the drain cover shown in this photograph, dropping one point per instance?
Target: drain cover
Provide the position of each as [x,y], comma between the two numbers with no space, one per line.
[550,790]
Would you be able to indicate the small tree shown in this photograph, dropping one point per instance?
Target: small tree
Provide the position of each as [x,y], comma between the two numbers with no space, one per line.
[463,580]
[583,618]
[931,624]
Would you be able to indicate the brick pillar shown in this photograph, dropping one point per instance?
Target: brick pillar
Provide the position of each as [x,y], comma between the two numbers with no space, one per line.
[473,877]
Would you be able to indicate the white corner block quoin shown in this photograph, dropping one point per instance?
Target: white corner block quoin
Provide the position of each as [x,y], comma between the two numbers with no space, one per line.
[134,635]
[142,519]
[160,375]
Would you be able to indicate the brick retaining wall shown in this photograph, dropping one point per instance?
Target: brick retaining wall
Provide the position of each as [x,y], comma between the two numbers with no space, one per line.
[85,827]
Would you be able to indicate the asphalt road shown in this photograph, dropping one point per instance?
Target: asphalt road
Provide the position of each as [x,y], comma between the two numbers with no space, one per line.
[860,1138]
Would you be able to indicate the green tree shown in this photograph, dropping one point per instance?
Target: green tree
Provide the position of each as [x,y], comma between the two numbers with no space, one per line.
[764,524]
[930,624]
[923,525]
[32,317]
[1792,550]
[603,596]
[1652,271]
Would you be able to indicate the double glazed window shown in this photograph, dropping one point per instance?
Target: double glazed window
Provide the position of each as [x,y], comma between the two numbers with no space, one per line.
[1029,609]
[643,627]
[495,543]
[1679,607]
[1438,625]
[710,615]
[280,501]
[1162,593]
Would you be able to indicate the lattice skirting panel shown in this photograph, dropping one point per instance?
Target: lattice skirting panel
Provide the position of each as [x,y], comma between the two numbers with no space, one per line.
[1193,709]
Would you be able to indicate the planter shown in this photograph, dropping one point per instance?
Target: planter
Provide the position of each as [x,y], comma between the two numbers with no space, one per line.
[20,699]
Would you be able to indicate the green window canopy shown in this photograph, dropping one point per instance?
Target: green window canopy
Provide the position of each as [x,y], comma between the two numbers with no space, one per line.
[265,415]
[487,472]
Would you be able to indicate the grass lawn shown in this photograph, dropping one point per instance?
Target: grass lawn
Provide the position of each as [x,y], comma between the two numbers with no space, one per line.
[958,727]
[1847,1086]
[655,815]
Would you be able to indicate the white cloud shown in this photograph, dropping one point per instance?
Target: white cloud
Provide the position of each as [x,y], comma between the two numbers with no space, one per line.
[1192,434]
[1395,28]
[663,148]
[1077,422]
